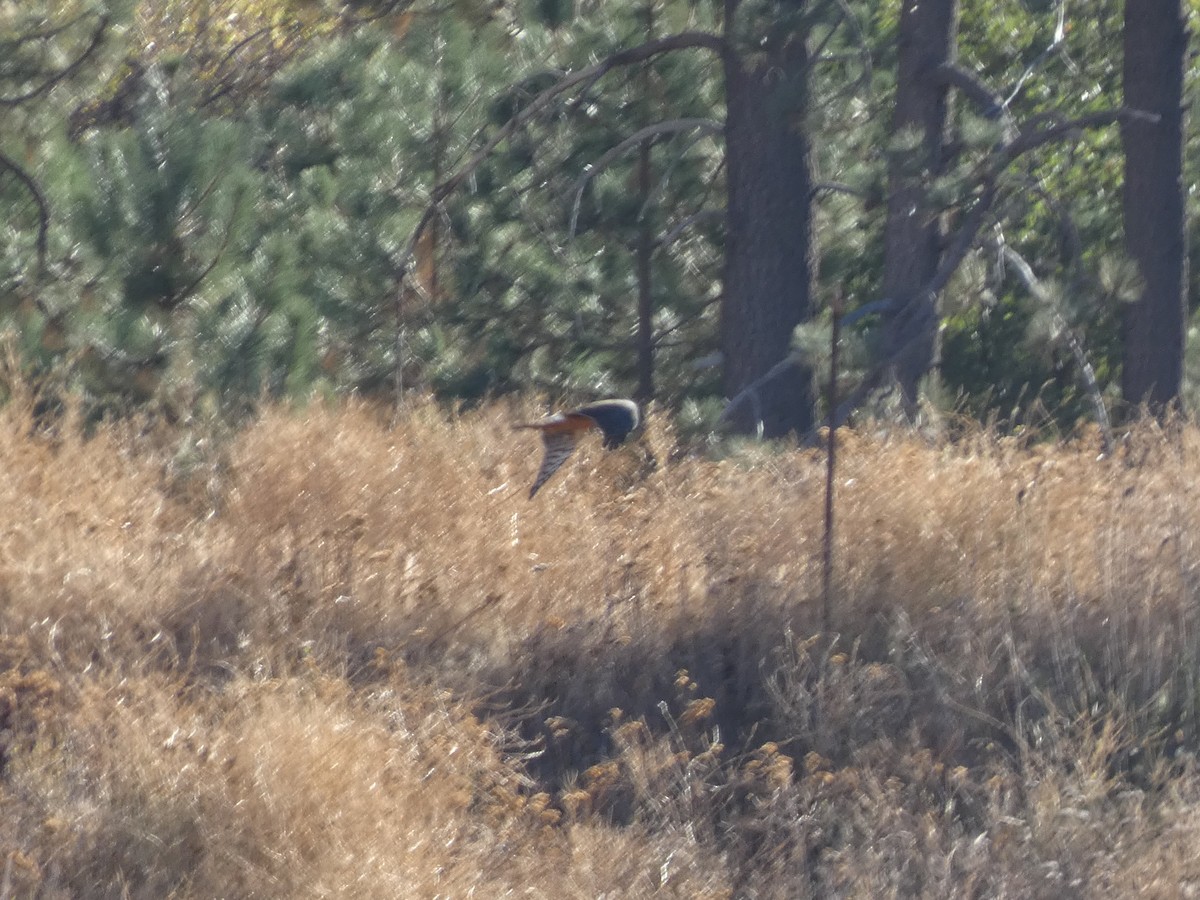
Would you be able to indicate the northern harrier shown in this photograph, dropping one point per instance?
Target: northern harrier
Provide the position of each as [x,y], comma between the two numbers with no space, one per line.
[561,432]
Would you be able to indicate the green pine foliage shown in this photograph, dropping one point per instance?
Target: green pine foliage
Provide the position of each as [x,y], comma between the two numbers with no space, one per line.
[1059,206]
[231,49]
[356,145]
[550,250]
[1061,209]
[205,253]
[165,213]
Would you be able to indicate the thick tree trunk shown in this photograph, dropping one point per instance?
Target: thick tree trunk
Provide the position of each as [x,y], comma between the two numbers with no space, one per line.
[1155,40]
[769,242]
[913,233]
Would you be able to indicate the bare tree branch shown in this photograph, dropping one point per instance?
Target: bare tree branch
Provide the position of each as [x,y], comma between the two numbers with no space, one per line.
[187,291]
[225,83]
[63,73]
[672,126]
[538,104]
[531,110]
[961,246]
[971,87]
[1060,32]
[1070,231]
[1066,334]
[990,102]
[836,187]
[39,198]
[48,33]
[911,336]
[687,222]
[860,39]
[875,306]
[750,393]
[1032,138]
[661,187]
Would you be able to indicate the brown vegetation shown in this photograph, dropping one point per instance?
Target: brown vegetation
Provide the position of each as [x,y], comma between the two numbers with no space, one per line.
[336,658]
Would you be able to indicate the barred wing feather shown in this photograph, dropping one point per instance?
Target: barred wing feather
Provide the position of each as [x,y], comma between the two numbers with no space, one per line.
[558,446]
[561,432]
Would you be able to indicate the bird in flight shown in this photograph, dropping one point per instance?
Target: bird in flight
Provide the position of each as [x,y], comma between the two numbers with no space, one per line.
[561,432]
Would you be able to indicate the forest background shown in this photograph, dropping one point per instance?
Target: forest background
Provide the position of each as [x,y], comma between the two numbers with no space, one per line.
[215,202]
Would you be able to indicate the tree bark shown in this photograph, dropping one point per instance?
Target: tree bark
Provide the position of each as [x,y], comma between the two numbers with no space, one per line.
[645,285]
[644,252]
[1155,39]
[913,231]
[769,267]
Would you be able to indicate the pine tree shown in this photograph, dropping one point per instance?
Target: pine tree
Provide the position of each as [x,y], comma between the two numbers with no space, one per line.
[165,212]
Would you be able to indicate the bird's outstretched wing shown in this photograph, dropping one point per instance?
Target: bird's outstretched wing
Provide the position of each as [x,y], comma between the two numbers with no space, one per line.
[558,446]
[561,432]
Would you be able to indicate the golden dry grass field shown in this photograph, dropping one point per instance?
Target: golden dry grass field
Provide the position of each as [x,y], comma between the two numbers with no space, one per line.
[331,657]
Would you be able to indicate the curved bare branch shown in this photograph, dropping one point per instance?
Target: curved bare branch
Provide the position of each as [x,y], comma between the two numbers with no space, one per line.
[1065,333]
[671,126]
[911,337]
[66,72]
[687,222]
[836,187]
[630,56]
[30,185]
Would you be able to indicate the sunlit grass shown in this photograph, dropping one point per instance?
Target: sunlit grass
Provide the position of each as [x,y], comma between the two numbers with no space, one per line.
[340,657]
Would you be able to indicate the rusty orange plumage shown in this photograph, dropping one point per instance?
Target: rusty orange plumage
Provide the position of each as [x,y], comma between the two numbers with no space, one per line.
[561,432]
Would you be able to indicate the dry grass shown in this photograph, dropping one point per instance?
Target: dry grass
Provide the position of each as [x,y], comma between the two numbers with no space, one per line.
[333,658]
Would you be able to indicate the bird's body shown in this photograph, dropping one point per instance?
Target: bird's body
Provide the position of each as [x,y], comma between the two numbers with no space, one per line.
[561,432]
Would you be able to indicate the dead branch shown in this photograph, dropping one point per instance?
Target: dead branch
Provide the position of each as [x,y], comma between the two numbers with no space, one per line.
[661,187]
[917,331]
[750,393]
[65,72]
[836,187]
[538,104]
[875,306]
[531,110]
[30,185]
[190,288]
[1032,138]
[972,87]
[1060,32]
[1066,334]
[687,222]
[859,39]
[671,126]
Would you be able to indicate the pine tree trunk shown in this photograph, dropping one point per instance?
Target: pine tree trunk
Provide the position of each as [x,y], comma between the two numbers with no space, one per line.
[769,243]
[1155,40]
[913,233]
[645,283]
[645,250]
